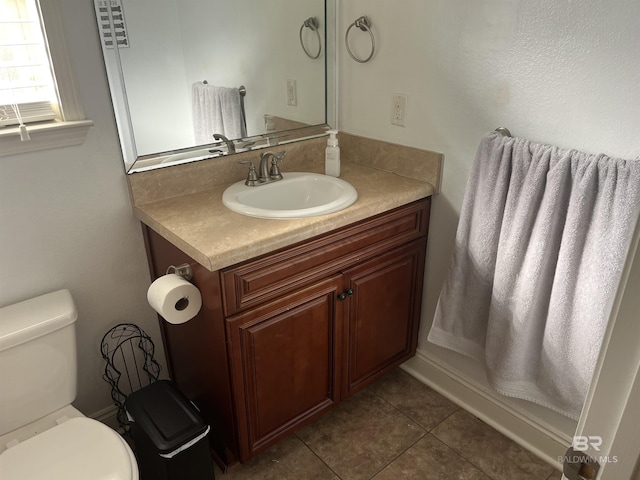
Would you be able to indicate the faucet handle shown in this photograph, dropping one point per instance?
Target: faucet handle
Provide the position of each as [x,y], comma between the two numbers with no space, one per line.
[274,171]
[252,176]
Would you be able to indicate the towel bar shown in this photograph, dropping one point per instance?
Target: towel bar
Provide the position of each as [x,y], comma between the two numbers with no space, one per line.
[242,90]
[503,131]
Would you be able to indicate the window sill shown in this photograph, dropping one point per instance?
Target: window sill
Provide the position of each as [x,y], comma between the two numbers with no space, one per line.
[43,137]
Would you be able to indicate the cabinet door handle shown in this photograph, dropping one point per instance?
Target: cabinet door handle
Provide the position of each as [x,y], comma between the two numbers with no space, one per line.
[345,294]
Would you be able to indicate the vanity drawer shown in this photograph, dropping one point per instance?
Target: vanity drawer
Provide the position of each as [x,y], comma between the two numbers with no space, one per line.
[251,283]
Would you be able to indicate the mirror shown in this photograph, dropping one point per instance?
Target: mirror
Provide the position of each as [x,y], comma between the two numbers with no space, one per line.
[259,73]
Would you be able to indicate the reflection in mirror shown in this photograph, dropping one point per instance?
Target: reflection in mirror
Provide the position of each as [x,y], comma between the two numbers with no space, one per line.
[188,69]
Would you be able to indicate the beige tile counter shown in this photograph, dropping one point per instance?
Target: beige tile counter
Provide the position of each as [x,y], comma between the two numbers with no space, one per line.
[201,226]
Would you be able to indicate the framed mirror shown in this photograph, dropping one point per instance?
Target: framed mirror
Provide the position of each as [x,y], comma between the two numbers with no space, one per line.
[255,74]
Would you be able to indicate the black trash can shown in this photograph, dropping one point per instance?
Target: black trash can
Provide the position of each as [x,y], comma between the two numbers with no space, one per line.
[170,436]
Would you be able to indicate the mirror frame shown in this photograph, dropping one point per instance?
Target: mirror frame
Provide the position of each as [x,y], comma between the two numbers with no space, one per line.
[134,163]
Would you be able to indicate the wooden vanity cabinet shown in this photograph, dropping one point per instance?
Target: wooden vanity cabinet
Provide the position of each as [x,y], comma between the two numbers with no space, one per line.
[286,336]
[383,315]
[284,358]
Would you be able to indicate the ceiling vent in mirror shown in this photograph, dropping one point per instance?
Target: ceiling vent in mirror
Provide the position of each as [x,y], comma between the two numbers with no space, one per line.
[111,23]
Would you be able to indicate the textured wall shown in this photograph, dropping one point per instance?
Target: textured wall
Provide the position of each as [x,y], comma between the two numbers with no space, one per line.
[66,222]
[559,72]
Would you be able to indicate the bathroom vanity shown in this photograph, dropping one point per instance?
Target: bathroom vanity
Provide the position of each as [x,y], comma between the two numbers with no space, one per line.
[297,315]
[284,337]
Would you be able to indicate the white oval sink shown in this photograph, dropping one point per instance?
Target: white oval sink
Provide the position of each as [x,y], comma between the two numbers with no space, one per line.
[297,195]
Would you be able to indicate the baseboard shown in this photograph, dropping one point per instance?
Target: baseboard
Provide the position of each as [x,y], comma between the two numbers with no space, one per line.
[543,442]
[108,416]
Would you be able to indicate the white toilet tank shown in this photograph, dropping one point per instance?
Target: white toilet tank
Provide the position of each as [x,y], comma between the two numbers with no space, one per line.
[38,365]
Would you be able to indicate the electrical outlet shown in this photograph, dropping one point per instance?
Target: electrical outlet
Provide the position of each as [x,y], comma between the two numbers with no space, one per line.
[292,95]
[398,109]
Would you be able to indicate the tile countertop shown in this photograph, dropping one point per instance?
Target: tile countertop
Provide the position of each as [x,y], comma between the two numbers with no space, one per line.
[216,237]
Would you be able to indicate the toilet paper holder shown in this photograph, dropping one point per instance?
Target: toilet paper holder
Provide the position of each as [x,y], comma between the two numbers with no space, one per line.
[184,270]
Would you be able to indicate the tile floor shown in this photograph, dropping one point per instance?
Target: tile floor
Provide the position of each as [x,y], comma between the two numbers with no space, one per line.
[398,428]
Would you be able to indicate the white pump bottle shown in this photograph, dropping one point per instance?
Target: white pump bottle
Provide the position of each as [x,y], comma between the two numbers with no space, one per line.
[332,155]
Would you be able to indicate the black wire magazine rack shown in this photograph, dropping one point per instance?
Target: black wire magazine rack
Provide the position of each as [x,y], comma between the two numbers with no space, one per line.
[130,365]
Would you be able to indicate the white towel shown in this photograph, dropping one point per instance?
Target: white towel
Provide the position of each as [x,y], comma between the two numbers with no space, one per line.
[540,248]
[216,110]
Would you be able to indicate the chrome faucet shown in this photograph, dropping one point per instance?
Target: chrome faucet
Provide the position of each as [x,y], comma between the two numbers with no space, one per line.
[231,148]
[267,172]
[270,172]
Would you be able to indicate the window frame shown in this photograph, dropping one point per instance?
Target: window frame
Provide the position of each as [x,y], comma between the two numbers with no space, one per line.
[72,127]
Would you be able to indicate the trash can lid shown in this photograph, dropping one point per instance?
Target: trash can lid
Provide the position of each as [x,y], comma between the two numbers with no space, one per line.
[166,415]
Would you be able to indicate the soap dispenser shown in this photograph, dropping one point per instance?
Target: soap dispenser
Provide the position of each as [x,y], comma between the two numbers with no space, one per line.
[332,155]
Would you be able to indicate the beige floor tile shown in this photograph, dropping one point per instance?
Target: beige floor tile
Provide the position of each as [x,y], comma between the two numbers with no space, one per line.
[430,459]
[288,459]
[360,436]
[422,404]
[492,452]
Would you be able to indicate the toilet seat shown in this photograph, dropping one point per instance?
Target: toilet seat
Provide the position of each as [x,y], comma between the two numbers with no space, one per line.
[77,449]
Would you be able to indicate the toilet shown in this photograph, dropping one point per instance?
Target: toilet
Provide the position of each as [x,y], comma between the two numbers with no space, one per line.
[41,434]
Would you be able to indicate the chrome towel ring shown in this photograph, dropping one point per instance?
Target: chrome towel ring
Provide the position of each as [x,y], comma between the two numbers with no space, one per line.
[363,24]
[313,24]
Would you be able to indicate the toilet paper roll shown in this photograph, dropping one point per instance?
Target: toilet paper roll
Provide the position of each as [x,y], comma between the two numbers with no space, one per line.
[174,298]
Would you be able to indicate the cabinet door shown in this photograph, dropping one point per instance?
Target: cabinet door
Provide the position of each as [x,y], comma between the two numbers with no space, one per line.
[284,357]
[384,297]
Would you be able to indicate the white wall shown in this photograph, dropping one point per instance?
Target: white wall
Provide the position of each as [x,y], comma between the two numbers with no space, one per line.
[66,221]
[560,72]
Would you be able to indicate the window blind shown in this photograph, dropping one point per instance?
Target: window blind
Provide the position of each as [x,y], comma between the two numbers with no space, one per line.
[26,85]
